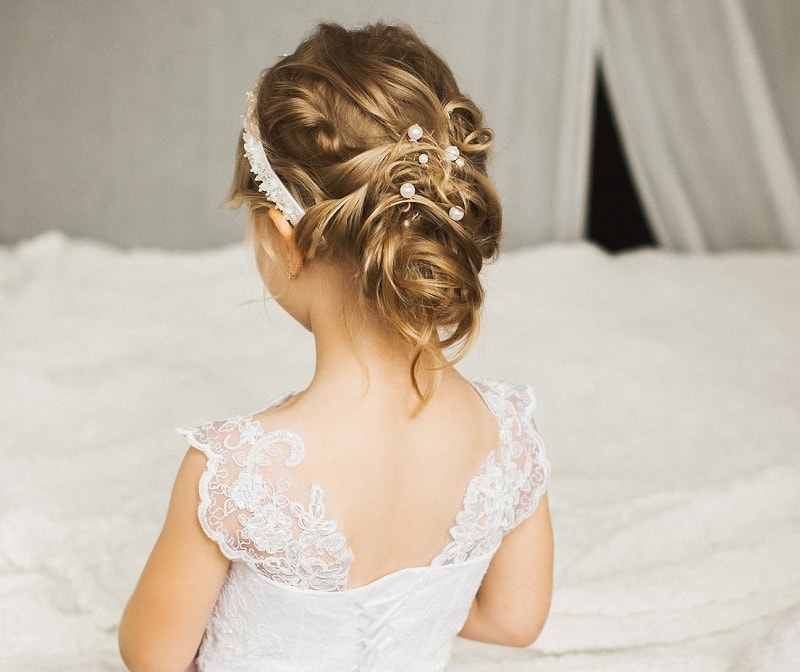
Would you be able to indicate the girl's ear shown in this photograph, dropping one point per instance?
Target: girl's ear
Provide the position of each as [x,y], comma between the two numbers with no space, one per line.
[286,232]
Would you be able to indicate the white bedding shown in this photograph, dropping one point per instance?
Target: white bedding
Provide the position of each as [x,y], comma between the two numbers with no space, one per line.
[669,391]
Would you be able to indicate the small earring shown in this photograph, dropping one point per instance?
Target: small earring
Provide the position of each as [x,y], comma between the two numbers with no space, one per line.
[292,276]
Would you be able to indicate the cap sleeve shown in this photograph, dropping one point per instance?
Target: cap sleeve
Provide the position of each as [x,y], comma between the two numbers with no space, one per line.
[244,480]
[526,457]
[526,469]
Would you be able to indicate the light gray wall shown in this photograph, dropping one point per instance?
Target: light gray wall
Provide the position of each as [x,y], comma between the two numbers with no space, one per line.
[118,119]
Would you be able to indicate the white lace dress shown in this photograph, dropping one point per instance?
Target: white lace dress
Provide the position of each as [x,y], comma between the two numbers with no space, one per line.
[285,605]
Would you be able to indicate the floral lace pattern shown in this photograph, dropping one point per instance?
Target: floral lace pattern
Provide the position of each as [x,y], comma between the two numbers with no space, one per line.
[507,487]
[246,506]
[250,506]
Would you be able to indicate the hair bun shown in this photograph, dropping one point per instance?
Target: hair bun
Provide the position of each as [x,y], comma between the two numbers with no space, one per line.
[369,131]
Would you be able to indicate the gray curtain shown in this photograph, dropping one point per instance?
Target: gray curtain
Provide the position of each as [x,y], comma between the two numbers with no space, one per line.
[118,120]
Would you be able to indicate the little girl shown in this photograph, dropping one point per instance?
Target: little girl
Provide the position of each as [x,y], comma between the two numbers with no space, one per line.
[364,522]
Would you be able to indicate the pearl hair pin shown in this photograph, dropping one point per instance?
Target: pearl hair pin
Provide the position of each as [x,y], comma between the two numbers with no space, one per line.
[451,153]
[414,132]
[407,190]
[456,214]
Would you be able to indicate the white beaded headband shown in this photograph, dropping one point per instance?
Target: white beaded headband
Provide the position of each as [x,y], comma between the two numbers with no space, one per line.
[262,170]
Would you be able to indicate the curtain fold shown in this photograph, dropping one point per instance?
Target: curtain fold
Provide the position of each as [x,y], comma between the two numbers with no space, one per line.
[709,152]
[572,154]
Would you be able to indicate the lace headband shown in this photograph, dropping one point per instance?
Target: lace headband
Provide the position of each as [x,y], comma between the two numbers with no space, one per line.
[262,170]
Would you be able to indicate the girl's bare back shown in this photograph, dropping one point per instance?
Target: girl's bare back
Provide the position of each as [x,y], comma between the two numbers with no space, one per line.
[393,482]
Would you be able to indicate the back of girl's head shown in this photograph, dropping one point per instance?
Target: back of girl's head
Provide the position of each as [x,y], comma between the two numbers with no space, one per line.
[334,120]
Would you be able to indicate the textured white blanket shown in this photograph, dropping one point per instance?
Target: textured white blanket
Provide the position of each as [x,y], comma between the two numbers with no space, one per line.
[669,397]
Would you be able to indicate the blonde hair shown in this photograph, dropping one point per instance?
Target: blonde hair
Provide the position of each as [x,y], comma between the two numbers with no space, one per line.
[333,118]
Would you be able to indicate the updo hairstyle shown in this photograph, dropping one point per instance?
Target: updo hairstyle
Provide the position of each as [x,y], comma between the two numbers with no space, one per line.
[334,118]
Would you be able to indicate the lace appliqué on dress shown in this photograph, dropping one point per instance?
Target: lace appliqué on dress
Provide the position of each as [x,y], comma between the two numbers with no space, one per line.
[256,513]
[507,488]
[248,508]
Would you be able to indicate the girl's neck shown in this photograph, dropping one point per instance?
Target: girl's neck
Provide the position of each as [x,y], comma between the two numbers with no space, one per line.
[364,358]
[357,355]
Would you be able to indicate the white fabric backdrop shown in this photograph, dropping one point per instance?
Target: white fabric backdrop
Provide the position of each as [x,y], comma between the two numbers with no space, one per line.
[117,120]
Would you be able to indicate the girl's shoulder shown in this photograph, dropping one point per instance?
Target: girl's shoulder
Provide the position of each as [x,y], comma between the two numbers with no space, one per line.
[215,438]
[511,403]
[504,397]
